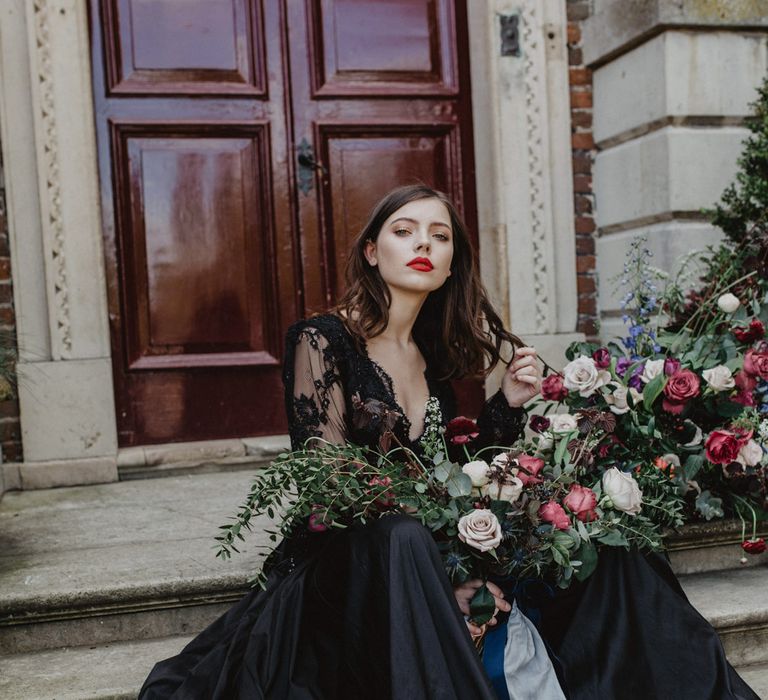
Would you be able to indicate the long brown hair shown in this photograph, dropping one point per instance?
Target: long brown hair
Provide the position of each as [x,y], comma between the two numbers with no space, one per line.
[450,326]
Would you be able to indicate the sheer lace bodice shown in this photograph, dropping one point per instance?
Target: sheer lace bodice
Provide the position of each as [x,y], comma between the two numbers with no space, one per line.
[324,373]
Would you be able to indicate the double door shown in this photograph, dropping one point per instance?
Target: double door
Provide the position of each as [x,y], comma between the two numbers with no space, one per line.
[241,145]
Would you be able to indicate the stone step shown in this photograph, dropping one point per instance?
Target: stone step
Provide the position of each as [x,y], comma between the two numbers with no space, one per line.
[108,672]
[712,546]
[114,562]
[757,678]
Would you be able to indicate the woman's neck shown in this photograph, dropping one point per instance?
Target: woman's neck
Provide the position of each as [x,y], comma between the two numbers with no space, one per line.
[403,311]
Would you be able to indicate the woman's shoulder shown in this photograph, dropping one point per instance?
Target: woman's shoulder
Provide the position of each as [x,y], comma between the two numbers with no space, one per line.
[328,326]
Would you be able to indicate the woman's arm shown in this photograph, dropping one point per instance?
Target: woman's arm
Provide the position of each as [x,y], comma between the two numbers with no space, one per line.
[314,394]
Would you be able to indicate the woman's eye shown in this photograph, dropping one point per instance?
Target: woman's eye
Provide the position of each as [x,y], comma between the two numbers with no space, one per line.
[441,236]
[400,231]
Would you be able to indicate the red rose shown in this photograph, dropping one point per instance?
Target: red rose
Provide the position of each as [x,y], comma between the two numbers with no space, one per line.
[529,469]
[316,518]
[553,389]
[722,446]
[746,385]
[754,546]
[581,501]
[386,499]
[756,363]
[680,387]
[602,358]
[461,430]
[755,331]
[552,512]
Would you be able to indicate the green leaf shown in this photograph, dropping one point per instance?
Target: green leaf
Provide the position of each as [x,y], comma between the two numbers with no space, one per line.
[613,538]
[420,487]
[588,555]
[653,389]
[692,466]
[482,606]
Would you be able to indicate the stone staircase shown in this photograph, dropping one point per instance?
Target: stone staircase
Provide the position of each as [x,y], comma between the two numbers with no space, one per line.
[99,582]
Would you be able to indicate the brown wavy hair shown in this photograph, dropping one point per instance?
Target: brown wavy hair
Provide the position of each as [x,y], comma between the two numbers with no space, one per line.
[457,326]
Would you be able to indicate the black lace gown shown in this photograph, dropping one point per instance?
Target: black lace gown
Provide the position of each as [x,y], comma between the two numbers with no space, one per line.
[369,613]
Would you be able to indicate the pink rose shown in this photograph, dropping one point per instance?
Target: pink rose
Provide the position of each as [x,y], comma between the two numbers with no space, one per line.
[680,387]
[756,363]
[552,512]
[529,469]
[602,358]
[316,518]
[581,501]
[755,331]
[386,499]
[745,384]
[553,389]
[723,446]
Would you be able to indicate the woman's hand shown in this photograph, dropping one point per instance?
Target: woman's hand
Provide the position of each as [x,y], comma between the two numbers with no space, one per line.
[522,379]
[464,593]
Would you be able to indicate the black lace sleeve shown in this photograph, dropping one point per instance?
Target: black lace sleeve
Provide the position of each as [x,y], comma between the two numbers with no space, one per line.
[499,423]
[314,394]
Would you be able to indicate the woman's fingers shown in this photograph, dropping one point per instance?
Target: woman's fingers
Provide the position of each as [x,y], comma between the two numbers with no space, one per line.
[498,596]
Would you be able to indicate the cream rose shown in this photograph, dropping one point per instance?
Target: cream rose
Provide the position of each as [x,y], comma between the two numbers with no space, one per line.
[728,303]
[651,370]
[623,491]
[750,454]
[510,490]
[544,443]
[562,423]
[477,471]
[637,396]
[480,529]
[617,400]
[719,378]
[583,375]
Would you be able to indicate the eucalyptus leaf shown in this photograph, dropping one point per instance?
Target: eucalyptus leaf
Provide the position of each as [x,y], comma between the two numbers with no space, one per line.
[614,538]
[588,555]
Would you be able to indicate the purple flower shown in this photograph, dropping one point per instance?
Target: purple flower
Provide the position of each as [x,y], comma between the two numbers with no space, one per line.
[539,423]
[622,365]
[671,365]
[635,381]
[602,357]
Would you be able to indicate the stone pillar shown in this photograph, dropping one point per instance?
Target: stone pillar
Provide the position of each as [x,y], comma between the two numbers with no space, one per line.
[64,371]
[672,84]
[523,168]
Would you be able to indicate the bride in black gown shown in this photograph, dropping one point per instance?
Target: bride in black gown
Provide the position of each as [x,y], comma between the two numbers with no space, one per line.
[368,612]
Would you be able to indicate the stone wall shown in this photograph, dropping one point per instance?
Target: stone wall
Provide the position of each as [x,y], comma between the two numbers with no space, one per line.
[582,145]
[10,433]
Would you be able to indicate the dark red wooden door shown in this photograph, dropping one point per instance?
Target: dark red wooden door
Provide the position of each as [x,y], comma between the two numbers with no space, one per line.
[216,236]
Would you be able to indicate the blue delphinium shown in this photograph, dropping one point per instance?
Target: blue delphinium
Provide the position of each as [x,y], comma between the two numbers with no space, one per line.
[639,302]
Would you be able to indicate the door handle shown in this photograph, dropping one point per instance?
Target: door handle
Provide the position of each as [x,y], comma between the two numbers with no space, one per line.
[307,166]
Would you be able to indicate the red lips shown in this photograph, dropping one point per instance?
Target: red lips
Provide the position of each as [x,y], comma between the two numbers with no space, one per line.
[421,264]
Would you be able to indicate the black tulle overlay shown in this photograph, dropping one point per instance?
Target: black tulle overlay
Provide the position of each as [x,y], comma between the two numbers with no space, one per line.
[369,612]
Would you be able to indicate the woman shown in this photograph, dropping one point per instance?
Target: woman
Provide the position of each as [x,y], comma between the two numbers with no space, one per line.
[369,611]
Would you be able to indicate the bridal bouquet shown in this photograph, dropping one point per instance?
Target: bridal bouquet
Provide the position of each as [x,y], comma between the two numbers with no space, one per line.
[541,508]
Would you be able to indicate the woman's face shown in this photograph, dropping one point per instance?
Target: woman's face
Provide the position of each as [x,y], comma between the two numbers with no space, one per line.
[414,248]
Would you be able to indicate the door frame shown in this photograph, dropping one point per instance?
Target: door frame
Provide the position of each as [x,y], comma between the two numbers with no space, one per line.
[525,215]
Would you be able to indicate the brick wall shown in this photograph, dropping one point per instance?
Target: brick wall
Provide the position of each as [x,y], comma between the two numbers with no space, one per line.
[10,432]
[582,145]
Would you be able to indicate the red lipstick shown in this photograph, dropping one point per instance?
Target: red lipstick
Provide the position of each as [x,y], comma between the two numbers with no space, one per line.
[421,264]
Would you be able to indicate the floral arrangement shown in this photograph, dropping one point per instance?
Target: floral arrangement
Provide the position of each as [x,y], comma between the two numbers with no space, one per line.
[538,509]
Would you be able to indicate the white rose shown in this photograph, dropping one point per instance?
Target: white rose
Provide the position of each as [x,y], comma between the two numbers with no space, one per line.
[544,443]
[510,490]
[651,370]
[750,454]
[480,529]
[637,396]
[696,439]
[617,400]
[582,375]
[623,491]
[562,423]
[477,471]
[728,303]
[719,378]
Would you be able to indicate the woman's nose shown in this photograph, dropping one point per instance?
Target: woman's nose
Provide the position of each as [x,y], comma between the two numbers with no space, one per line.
[423,242]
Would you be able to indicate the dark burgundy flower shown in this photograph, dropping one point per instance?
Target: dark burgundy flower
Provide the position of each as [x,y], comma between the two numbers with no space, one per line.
[754,331]
[602,358]
[754,546]
[460,431]
[553,389]
[671,365]
[682,386]
[539,423]
[722,446]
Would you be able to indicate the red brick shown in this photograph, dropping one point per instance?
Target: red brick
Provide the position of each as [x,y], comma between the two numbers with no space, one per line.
[5,251]
[579,76]
[585,285]
[588,327]
[12,451]
[9,408]
[582,140]
[6,294]
[587,305]
[583,204]
[577,11]
[582,163]
[582,184]
[7,316]
[9,429]
[574,33]
[581,118]
[585,224]
[585,263]
[581,99]
[5,268]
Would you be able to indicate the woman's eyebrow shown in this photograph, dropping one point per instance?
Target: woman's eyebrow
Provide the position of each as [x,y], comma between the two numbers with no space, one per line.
[415,223]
